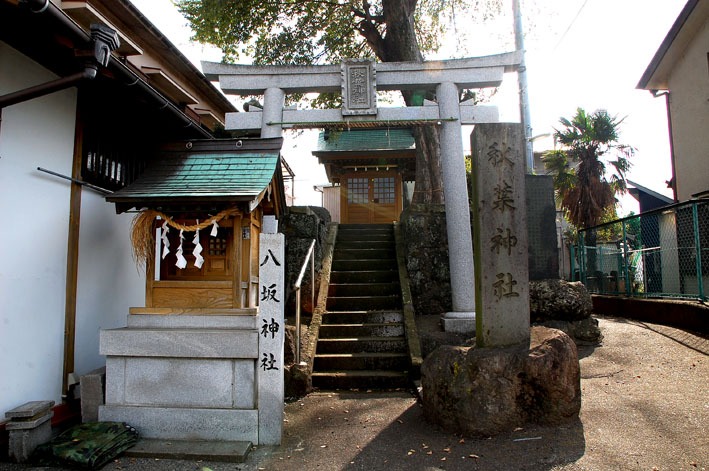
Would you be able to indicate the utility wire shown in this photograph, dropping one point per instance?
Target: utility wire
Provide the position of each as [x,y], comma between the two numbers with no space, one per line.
[570,25]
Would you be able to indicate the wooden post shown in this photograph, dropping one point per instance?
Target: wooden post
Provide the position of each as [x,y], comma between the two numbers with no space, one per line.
[72,257]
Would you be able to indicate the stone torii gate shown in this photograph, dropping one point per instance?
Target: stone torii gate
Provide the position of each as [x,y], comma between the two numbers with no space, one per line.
[358,81]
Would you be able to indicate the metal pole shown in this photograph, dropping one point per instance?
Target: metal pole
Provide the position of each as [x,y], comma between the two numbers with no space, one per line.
[698,249]
[525,117]
[297,325]
[297,297]
[312,283]
[626,260]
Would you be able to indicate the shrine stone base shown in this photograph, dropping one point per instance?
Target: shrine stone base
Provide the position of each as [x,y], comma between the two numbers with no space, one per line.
[184,377]
[459,322]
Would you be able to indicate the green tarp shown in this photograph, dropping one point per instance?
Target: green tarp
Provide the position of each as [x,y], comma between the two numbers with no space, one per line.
[88,446]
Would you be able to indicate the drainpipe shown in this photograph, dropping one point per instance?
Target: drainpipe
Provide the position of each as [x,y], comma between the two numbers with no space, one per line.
[103,39]
[50,87]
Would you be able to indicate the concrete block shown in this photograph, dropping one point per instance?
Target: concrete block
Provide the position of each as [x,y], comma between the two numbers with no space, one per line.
[29,409]
[29,424]
[186,423]
[179,343]
[23,442]
[92,395]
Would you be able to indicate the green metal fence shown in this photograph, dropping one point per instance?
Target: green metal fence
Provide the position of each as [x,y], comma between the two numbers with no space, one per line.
[659,253]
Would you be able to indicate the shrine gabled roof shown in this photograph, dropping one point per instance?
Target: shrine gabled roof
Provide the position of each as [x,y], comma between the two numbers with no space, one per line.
[219,171]
[365,140]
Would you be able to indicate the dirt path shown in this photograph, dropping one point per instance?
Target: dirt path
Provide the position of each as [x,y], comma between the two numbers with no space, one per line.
[645,406]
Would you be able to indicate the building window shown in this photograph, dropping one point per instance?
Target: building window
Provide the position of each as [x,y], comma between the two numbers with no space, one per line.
[357,190]
[384,191]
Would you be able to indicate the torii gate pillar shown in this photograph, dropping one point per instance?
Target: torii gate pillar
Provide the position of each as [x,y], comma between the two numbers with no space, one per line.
[273,101]
[460,241]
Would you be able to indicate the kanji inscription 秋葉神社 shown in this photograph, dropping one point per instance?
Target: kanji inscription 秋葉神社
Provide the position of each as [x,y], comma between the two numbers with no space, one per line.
[502,304]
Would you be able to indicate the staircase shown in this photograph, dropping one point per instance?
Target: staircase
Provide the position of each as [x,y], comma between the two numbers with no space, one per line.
[361,343]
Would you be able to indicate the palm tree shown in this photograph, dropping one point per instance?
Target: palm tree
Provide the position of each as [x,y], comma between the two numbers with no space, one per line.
[590,148]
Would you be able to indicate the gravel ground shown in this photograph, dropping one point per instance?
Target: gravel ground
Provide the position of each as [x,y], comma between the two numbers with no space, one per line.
[645,406]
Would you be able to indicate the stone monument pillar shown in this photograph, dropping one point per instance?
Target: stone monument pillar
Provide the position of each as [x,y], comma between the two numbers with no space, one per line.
[462,317]
[271,325]
[501,259]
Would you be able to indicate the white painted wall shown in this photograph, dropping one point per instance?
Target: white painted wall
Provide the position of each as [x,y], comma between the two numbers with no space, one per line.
[33,245]
[109,281]
[33,238]
[689,108]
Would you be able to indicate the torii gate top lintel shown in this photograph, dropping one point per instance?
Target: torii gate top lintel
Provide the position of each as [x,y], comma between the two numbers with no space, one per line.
[475,72]
[274,82]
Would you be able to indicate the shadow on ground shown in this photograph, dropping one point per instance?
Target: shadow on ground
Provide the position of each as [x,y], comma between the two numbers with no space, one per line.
[387,431]
[422,447]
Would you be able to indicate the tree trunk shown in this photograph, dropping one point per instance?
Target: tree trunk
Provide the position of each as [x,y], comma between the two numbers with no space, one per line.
[400,45]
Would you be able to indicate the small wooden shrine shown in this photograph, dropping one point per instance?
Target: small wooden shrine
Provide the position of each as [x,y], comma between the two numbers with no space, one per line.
[202,205]
[370,167]
[191,364]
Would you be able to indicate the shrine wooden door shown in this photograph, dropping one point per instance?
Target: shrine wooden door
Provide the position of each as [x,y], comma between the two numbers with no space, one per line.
[371,198]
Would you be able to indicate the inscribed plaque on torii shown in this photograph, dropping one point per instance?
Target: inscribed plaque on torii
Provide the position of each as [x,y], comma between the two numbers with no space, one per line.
[359,87]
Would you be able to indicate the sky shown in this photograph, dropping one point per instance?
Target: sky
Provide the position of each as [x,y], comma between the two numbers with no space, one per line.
[579,53]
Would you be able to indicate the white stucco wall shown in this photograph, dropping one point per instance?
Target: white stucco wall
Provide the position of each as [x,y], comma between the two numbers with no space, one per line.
[33,238]
[33,245]
[109,281]
[689,108]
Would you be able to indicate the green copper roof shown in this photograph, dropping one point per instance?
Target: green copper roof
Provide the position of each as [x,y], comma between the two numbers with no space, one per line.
[205,172]
[365,140]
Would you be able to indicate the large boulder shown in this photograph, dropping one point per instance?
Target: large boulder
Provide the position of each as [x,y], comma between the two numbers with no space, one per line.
[482,392]
[558,300]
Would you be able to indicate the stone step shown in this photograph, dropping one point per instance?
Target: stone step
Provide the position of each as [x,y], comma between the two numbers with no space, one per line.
[363,289]
[363,254]
[362,344]
[362,317]
[361,361]
[365,244]
[363,303]
[360,379]
[365,265]
[364,276]
[365,227]
[364,235]
[384,329]
[193,450]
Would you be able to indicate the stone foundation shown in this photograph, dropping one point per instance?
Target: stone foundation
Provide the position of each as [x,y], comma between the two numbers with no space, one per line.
[183,377]
[482,392]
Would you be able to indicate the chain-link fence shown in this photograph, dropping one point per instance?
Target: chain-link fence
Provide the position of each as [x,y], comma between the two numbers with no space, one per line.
[660,253]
